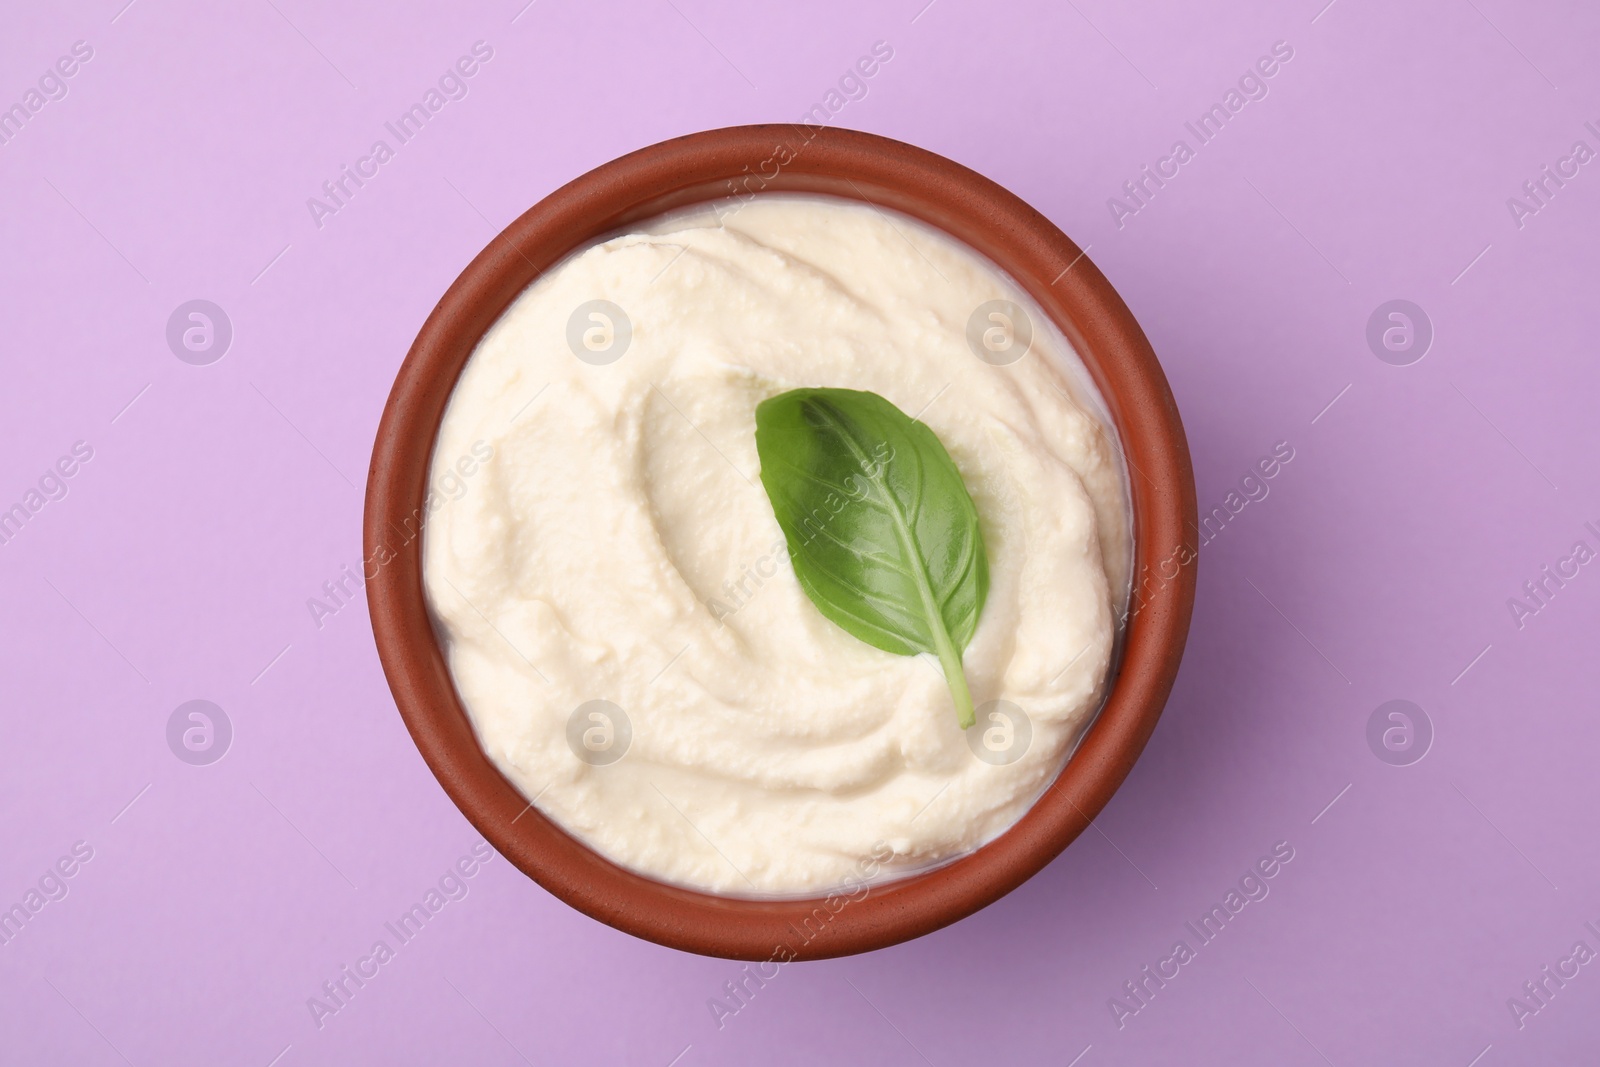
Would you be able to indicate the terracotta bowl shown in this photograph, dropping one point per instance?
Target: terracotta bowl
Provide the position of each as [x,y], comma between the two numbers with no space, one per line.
[748,160]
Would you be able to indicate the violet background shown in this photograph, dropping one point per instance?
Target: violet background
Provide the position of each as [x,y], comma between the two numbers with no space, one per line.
[180,563]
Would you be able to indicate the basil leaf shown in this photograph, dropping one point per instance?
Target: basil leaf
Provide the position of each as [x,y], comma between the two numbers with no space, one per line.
[882,532]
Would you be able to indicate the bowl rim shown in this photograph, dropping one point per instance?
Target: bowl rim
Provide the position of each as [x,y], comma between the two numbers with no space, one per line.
[747,161]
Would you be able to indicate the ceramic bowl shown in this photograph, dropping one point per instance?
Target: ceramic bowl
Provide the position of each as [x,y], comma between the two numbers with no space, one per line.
[752,160]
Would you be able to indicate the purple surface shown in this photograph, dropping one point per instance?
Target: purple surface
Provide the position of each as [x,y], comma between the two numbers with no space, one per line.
[220,498]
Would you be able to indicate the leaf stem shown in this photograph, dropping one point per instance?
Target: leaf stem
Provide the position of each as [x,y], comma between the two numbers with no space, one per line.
[955,677]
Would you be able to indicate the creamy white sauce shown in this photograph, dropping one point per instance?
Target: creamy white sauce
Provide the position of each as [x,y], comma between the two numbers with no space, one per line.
[619,547]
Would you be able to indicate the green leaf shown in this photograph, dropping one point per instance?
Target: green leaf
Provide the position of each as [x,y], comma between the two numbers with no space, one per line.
[882,531]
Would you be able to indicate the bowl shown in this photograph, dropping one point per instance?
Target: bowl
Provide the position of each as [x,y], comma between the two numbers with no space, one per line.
[745,161]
